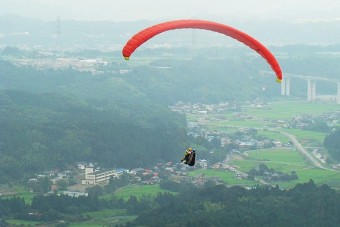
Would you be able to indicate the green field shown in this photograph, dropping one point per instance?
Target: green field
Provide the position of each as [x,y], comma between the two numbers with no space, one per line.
[273,135]
[106,218]
[261,117]
[98,218]
[287,160]
[278,155]
[284,160]
[138,191]
[227,177]
[19,191]
[286,110]
[238,123]
[15,222]
[319,176]
[308,136]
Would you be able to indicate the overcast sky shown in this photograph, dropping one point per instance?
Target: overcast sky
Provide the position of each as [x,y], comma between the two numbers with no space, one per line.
[127,10]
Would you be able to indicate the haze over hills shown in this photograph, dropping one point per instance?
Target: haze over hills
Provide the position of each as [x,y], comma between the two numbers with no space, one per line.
[27,32]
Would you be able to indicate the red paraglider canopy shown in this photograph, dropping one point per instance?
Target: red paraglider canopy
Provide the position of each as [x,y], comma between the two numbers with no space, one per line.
[146,34]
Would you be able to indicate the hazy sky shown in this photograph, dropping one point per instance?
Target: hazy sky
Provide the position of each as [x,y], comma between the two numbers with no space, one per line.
[127,10]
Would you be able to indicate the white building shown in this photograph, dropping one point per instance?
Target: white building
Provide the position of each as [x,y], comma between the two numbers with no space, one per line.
[73,194]
[81,165]
[98,177]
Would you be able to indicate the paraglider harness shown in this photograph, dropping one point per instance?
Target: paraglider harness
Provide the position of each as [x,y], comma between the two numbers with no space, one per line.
[189,158]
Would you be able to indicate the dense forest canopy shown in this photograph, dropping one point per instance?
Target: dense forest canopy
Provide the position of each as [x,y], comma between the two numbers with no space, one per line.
[304,205]
[41,131]
[332,143]
[46,126]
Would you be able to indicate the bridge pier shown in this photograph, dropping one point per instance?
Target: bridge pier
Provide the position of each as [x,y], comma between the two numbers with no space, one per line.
[311,86]
[311,90]
[285,86]
[338,96]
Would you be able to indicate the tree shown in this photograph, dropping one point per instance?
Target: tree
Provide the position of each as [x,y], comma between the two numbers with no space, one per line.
[62,184]
[318,126]
[332,143]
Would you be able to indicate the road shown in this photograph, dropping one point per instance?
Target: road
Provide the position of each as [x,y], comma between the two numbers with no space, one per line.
[300,148]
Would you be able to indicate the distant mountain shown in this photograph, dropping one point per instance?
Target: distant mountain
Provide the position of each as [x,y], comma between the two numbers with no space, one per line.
[25,32]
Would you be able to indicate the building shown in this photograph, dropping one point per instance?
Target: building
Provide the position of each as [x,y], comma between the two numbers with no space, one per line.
[98,177]
[73,194]
[81,165]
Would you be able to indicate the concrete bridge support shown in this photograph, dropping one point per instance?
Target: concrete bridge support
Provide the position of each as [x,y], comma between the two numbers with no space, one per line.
[285,86]
[311,90]
[338,95]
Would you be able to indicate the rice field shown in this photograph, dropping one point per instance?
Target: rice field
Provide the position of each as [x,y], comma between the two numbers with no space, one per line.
[305,135]
[286,110]
[106,217]
[228,177]
[15,222]
[18,191]
[288,160]
[138,191]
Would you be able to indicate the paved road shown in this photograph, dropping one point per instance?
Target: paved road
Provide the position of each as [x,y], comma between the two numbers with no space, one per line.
[300,148]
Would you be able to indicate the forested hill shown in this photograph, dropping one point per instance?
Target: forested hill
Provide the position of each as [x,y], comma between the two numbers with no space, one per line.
[204,80]
[42,131]
[224,74]
[163,81]
[45,125]
[207,75]
[303,205]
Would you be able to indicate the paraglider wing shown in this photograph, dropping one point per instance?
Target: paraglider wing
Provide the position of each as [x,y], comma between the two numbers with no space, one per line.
[146,34]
